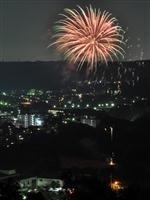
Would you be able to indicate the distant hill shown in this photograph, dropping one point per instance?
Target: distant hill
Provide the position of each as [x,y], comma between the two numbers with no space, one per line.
[56,74]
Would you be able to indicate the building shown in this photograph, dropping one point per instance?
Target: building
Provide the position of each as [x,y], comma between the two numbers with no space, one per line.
[91,121]
[27,120]
[33,183]
[6,175]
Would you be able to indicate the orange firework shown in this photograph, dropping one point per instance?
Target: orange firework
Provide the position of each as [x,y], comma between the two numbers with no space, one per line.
[89,36]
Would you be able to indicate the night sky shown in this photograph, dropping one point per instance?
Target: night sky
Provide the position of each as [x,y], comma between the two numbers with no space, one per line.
[27,25]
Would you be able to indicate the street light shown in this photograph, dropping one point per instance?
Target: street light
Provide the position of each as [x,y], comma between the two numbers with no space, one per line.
[111,162]
[111,133]
[116,186]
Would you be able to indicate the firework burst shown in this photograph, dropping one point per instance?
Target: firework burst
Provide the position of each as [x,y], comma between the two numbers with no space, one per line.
[89,36]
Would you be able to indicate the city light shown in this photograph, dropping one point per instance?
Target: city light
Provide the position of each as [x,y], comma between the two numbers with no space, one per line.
[24,197]
[116,186]
[80,96]
[111,162]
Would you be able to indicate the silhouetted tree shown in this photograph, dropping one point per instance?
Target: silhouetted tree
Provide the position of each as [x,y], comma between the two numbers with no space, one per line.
[9,190]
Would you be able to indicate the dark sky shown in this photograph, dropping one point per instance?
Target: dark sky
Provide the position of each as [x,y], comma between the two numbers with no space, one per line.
[25,26]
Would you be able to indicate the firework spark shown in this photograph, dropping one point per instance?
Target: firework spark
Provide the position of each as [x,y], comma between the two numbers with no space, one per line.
[89,36]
